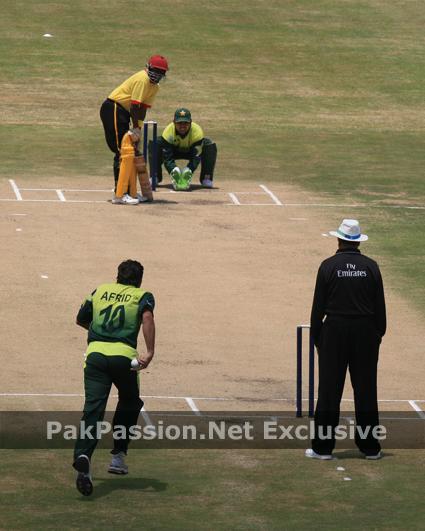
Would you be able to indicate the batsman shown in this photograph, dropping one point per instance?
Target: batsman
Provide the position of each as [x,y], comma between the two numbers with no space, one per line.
[184,139]
[129,102]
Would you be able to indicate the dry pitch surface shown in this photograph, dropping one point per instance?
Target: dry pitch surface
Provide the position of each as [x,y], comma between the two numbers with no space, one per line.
[232,270]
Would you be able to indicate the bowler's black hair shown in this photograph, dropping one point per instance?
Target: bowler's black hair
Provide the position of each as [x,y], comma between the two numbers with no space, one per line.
[130,273]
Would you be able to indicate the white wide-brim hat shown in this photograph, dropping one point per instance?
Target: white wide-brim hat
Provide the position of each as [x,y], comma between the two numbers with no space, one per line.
[349,230]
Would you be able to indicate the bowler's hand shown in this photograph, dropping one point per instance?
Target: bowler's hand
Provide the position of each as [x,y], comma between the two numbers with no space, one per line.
[144,360]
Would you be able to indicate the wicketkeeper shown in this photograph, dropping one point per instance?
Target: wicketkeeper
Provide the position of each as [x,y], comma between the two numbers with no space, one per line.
[184,139]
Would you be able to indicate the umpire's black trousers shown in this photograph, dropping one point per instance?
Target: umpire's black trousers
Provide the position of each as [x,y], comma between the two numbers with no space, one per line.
[100,373]
[353,343]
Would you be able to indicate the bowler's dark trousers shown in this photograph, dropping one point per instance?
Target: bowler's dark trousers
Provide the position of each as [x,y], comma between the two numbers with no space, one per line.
[351,342]
[99,374]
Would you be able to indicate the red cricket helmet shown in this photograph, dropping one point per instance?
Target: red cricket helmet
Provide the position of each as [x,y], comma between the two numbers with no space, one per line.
[158,61]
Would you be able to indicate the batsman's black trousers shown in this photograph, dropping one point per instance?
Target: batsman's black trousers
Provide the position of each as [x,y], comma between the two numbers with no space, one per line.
[100,373]
[353,343]
[116,122]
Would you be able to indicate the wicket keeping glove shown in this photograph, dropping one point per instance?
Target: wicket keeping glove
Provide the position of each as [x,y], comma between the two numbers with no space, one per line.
[187,174]
[175,173]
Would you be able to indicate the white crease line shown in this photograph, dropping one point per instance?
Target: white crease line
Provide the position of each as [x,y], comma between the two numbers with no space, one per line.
[60,195]
[248,193]
[417,409]
[271,194]
[192,405]
[41,394]
[234,198]
[80,190]
[146,417]
[319,205]
[253,204]
[56,201]
[63,189]
[15,189]
[234,399]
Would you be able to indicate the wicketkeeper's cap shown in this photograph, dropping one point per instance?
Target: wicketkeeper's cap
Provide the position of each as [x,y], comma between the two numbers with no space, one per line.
[349,230]
[182,115]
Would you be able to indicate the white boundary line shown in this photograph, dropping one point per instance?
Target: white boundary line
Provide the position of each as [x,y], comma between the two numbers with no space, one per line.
[15,189]
[192,405]
[271,194]
[417,408]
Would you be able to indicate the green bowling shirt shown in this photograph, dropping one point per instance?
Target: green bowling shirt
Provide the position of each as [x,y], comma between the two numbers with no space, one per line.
[114,314]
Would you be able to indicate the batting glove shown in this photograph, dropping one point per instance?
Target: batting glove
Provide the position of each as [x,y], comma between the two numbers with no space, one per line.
[135,133]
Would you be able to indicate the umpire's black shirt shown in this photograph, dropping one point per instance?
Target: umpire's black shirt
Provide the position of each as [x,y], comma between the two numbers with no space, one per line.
[349,285]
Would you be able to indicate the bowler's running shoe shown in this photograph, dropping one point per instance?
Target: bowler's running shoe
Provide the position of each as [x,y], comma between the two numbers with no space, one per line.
[124,200]
[207,183]
[313,455]
[118,465]
[84,483]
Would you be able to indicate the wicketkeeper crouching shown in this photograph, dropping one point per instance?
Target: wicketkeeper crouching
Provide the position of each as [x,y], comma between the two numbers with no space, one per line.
[184,139]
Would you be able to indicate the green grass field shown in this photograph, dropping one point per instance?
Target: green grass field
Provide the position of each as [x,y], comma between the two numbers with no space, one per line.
[326,95]
[216,489]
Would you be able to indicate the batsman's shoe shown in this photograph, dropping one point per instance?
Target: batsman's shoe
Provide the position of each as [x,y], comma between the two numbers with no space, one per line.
[124,200]
[118,465]
[313,455]
[207,183]
[84,482]
[141,198]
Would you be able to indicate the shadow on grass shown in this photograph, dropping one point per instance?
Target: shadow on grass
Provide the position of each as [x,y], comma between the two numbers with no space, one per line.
[356,454]
[103,487]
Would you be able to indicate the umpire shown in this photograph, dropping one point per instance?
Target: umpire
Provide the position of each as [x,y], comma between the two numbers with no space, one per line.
[350,294]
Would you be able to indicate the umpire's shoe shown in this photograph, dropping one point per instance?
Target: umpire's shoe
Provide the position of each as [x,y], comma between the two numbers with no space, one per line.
[84,483]
[118,465]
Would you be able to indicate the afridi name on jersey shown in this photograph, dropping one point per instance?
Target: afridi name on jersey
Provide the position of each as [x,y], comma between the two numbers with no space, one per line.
[114,313]
[194,136]
[135,89]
